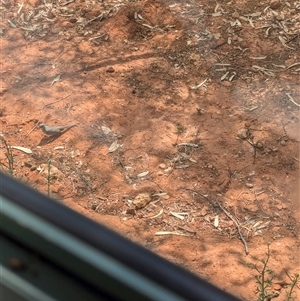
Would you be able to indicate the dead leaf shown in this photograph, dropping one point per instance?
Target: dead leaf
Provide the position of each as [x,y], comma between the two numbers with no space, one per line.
[23,149]
[56,79]
[105,130]
[143,174]
[114,146]
[178,215]
[158,214]
[170,233]
[216,221]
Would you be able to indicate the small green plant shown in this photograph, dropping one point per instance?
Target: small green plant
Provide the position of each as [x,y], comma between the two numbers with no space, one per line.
[179,128]
[265,277]
[294,282]
[9,157]
[49,177]
[199,111]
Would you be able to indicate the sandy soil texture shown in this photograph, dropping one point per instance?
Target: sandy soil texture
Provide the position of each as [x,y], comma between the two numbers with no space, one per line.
[187,124]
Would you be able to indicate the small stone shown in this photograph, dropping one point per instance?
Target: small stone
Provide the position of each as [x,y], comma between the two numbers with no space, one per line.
[249,185]
[27,164]
[268,151]
[243,133]
[235,38]
[168,169]
[141,200]
[131,211]
[110,70]
[259,145]
[283,143]
[33,167]
[235,15]
[94,206]
[285,138]
[274,4]
[162,166]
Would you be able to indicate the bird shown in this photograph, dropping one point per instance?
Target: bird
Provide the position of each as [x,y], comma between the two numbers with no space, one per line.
[52,130]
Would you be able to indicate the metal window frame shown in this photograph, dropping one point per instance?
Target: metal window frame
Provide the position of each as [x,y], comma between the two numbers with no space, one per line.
[50,251]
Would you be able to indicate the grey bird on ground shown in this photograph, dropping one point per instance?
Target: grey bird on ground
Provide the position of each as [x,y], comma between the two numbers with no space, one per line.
[52,130]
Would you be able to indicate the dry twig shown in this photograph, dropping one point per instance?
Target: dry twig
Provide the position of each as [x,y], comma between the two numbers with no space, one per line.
[228,214]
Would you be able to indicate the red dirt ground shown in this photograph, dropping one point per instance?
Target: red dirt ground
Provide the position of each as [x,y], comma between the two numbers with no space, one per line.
[192,102]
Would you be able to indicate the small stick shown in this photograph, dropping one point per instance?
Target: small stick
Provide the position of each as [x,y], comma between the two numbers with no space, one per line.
[237,226]
[97,207]
[188,230]
[51,103]
[204,196]
[31,130]
[229,215]
[103,183]
[293,65]
[254,147]
[199,85]
[291,99]
[188,144]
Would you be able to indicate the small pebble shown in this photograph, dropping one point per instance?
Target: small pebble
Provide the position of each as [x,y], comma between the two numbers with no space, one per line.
[110,70]
[27,164]
[235,38]
[235,15]
[259,145]
[162,166]
[131,211]
[282,142]
[249,185]
[243,133]
[274,4]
